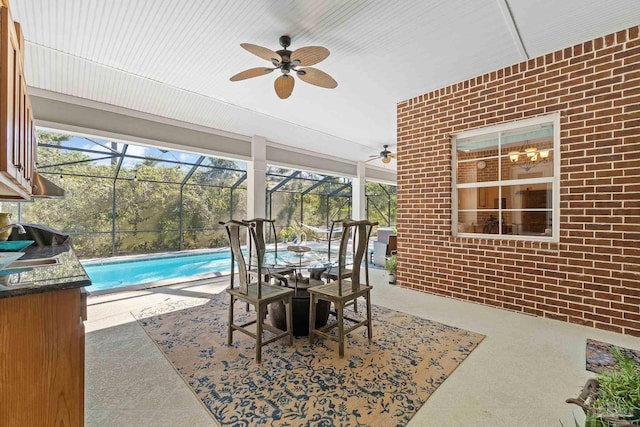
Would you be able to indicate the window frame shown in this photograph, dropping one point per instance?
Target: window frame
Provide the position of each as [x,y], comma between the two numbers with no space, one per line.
[554,120]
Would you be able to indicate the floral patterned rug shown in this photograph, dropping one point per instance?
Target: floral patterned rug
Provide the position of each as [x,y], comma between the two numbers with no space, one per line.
[381,384]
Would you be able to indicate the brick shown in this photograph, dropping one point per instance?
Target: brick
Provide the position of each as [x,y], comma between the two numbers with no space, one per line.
[592,276]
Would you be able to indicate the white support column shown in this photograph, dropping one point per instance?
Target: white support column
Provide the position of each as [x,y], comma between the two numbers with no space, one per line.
[256,178]
[358,200]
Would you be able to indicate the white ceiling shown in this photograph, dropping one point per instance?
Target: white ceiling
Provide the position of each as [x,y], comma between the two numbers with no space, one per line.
[174,58]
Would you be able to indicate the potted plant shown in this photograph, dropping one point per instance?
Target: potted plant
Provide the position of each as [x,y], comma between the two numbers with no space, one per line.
[391,265]
[613,398]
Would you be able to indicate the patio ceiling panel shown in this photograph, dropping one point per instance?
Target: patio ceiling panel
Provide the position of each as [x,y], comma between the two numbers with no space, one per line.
[542,24]
[174,59]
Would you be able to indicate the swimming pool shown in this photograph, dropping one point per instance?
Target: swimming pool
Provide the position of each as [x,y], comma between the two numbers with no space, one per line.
[140,270]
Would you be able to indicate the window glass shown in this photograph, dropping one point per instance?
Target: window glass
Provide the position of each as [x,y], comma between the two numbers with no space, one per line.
[504,182]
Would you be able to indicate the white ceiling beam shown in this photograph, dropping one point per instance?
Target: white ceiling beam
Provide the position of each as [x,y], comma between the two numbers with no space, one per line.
[513,28]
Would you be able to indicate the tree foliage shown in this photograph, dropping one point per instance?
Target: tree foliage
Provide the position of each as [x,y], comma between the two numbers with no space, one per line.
[145,208]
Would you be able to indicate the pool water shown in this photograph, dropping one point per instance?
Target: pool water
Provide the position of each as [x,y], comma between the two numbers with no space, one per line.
[119,272]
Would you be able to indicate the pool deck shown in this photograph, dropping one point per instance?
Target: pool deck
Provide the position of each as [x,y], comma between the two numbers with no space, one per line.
[519,375]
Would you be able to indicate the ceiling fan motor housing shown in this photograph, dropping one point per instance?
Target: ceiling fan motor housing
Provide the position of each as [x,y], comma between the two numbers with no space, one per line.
[285,41]
[285,54]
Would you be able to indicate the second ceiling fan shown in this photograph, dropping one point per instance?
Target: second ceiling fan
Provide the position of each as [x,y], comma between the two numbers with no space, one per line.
[288,62]
[385,155]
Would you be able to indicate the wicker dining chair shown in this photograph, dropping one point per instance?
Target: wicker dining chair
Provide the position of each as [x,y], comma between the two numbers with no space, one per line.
[343,291]
[257,293]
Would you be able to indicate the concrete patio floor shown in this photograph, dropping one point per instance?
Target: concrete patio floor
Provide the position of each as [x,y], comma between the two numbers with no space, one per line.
[519,375]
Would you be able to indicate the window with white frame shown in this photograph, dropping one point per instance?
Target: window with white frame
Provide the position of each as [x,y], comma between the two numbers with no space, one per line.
[505,180]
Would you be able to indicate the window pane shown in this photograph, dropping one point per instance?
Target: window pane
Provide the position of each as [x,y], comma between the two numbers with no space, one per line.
[477,159]
[532,208]
[481,222]
[527,153]
[477,143]
[484,170]
[478,198]
[536,196]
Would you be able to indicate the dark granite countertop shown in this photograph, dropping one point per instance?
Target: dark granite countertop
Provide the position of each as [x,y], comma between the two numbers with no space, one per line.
[65,274]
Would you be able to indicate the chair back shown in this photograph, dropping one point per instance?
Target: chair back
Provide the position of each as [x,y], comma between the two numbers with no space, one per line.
[336,231]
[258,250]
[359,232]
[234,228]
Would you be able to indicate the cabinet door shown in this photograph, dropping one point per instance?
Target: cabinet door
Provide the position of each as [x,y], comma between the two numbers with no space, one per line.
[10,75]
[17,157]
[18,133]
[21,145]
[42,360]
[30,148]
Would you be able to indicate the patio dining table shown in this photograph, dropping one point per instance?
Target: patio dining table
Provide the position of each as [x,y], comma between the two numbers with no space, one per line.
[301,298]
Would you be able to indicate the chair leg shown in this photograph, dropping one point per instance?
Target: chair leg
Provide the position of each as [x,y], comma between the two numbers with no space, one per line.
[289,315]
[230,330]
[259,320]
[340,310]
[312,317]
[369,326]
[355,305]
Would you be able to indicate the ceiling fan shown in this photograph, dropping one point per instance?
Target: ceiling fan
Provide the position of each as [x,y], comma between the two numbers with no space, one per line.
[288,62]
[385,155]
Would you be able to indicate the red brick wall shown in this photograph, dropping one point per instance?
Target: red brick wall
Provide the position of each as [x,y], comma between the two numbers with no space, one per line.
[592,276]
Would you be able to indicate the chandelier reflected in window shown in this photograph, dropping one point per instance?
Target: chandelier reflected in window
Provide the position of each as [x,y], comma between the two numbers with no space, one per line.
[528,157]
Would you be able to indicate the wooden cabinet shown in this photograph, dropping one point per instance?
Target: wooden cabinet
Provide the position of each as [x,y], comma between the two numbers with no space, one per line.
[42,359]
[17,133]
[535,221]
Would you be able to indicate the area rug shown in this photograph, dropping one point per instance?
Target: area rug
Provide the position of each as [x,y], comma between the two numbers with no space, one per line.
[600,359]
[382,384]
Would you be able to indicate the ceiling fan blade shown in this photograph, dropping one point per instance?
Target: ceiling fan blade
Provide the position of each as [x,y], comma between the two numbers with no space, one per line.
[317,77]
[251,72]
[310,55]
[394,155]
[284,86]
[262,52]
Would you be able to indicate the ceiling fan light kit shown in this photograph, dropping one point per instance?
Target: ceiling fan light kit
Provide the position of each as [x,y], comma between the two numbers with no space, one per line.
[287,62]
